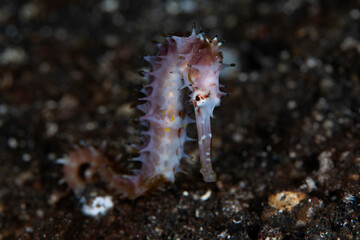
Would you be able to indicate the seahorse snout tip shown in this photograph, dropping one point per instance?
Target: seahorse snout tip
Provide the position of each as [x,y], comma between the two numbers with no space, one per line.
[208,176]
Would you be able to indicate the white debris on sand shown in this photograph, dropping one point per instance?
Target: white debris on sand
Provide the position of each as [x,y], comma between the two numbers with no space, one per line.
[98,206]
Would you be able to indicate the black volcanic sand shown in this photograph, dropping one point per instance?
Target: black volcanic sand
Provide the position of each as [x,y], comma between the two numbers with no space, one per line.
[291,126]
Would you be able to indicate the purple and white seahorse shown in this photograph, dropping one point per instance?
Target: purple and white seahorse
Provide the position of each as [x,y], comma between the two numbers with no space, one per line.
[192,62]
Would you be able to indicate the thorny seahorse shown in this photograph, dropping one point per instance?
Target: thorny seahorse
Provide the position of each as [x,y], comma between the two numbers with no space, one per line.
[192,62]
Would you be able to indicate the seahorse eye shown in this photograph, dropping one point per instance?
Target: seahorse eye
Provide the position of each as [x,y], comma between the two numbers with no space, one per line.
[197,98]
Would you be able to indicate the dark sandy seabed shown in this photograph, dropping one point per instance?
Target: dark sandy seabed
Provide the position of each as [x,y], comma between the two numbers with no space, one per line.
[286,141]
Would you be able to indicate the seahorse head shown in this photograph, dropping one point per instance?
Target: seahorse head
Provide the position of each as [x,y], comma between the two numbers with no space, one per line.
[201,63]
[203,68]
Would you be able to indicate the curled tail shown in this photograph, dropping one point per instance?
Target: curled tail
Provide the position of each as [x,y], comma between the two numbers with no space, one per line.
[83,163]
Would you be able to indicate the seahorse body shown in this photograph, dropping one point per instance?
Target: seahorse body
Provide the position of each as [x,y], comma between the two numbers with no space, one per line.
[192,62]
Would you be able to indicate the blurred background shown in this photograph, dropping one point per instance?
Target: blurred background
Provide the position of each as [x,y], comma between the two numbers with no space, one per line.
[69,75]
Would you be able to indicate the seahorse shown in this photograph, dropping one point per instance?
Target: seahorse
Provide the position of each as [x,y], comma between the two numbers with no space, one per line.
[194,63]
